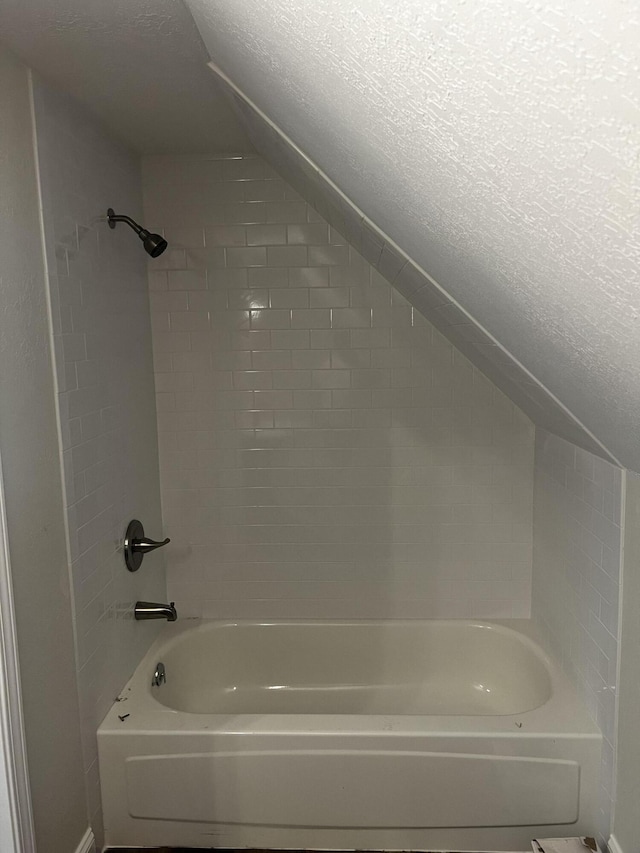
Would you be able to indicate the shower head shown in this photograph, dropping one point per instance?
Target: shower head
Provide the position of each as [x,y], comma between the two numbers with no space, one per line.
[154,244]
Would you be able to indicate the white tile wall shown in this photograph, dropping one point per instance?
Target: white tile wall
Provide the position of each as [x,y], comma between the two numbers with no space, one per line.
[102,348]
[576,580]
[419,289]
[325,452]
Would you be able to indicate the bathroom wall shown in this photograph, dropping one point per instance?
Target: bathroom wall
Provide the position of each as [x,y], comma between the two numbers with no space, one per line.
[626,820]
[33,487]
[324,451]
[576,580]
[103,360]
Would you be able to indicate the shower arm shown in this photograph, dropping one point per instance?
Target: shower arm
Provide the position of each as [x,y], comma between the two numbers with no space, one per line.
[112,218]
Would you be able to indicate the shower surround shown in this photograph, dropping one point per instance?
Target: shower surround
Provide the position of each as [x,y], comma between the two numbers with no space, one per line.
[324,451]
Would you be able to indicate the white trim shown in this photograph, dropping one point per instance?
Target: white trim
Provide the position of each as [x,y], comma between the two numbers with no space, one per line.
[613,845]
[87,843]
[13,741]
[287,139]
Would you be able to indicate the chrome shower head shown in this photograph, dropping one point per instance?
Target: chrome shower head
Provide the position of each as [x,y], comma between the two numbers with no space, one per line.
[154,244]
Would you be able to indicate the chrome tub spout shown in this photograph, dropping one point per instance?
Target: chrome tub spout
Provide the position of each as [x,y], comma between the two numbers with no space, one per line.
[151,610]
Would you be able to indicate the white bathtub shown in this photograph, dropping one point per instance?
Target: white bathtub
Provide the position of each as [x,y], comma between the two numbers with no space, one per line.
[348,735]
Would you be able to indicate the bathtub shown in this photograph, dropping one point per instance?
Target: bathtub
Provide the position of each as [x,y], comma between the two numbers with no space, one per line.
[412,735]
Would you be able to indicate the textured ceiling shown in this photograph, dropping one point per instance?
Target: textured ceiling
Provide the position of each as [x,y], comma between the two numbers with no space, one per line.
[497,143]
[138,64]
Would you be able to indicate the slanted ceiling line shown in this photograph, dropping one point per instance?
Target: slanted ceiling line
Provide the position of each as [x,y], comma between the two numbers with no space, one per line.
[592,442]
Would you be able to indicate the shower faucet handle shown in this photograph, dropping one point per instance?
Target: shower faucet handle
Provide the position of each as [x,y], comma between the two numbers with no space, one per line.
[136,545]
[145,545]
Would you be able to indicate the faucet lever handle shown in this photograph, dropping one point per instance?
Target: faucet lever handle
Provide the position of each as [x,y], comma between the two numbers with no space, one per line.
[144,545]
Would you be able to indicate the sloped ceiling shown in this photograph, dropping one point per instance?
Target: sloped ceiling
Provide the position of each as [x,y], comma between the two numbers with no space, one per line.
[138,65]
[497,143]
[412,282]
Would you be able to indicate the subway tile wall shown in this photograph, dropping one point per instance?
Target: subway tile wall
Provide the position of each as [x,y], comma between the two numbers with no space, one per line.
[103,360]
[324,450]
[576,580]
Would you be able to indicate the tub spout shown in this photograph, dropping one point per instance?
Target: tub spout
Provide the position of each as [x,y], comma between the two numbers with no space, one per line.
[151,610]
